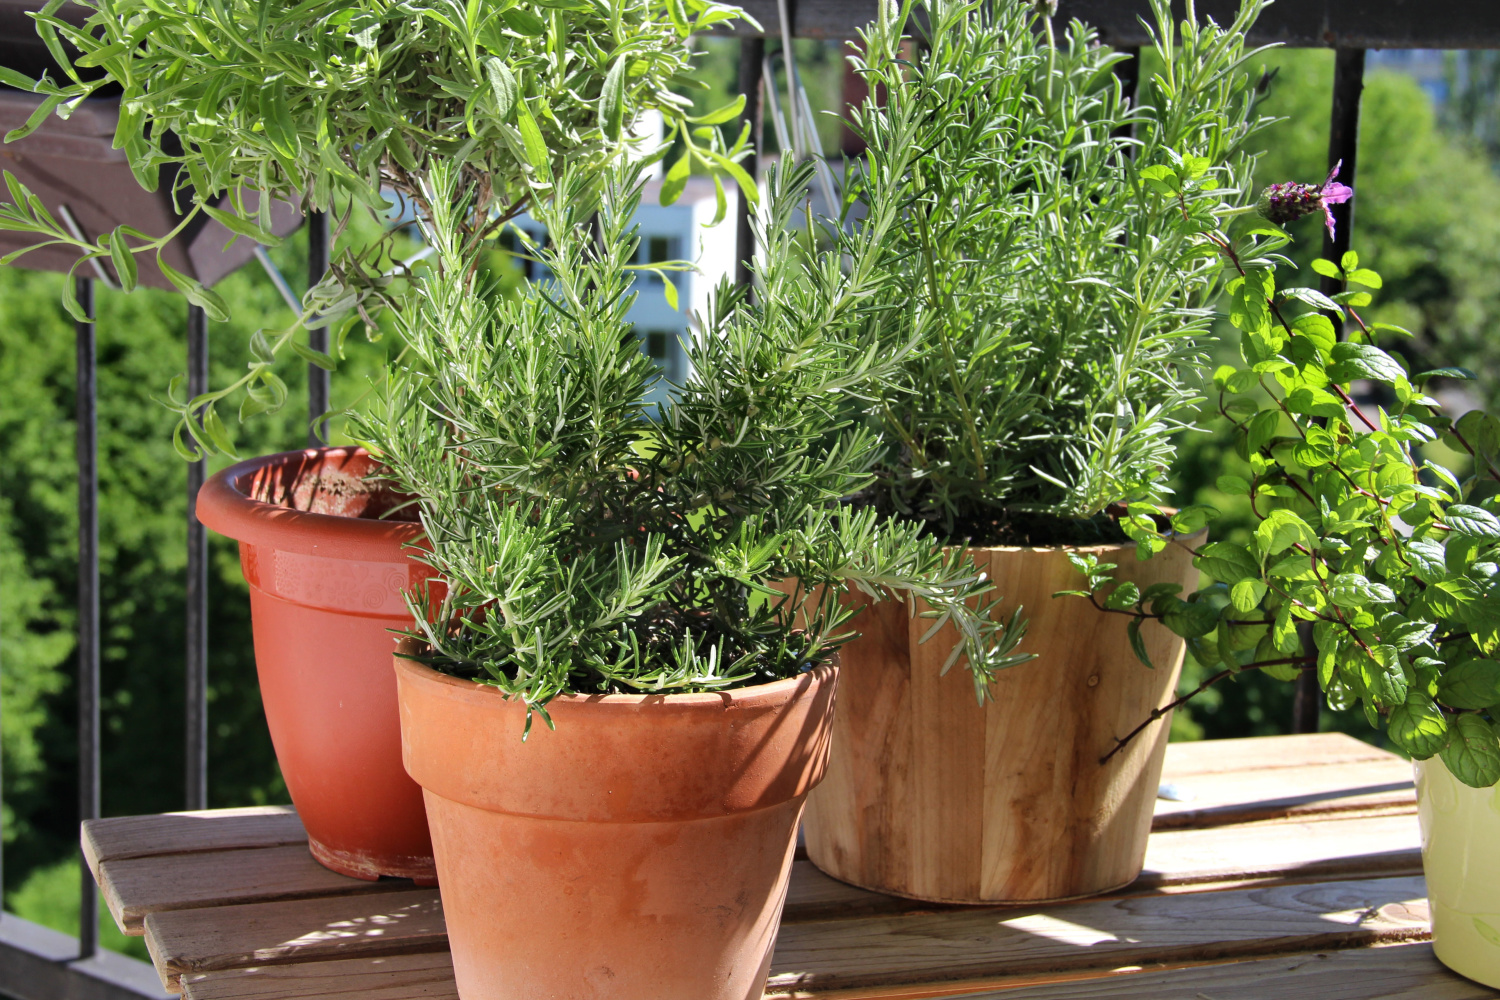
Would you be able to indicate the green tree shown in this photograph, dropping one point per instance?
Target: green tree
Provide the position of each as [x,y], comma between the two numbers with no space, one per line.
[143,488]
[1473,104]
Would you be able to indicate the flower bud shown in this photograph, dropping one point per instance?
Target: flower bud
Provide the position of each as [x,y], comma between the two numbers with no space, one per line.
[1290,201]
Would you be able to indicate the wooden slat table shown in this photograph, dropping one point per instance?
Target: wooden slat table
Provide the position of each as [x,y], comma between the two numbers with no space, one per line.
[1294,869]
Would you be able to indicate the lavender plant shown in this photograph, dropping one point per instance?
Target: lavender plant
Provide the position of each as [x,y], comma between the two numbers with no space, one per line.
[332,105]
[1371,563]
[1059,304]
[589,545]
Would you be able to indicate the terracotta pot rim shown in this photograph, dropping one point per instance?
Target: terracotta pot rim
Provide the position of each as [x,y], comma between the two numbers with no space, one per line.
[227,509]
[755,696]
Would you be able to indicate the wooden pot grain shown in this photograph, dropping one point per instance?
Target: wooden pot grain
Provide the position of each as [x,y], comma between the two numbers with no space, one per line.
[930,796]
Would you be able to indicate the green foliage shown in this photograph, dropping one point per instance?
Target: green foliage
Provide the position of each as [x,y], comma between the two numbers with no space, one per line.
[326,104]
[1386,558]
[1041,263]
[143,493]
[590,547]
[1472,109]
[33,640]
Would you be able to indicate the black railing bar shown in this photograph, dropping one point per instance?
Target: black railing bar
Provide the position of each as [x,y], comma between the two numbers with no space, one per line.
[1129,74]
[86,418]
[317,337]
[77,231]
[752,83]
[1343,150]
[196,687]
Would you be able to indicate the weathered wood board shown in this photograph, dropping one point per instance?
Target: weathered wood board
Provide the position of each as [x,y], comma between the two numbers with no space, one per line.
[134,887]
[1097,934]
[1293,871]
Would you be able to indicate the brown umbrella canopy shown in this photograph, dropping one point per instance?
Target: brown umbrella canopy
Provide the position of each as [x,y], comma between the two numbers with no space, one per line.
[71,166]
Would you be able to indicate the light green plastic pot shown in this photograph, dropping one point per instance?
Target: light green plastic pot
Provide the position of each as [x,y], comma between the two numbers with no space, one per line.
[1461,856]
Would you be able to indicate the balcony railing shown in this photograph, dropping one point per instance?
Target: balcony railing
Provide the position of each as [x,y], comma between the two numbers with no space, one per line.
[38,964]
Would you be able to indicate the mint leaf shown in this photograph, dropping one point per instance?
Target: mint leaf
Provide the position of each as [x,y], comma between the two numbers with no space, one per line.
[1353,590]
[1428,559]
[1137,644]
[1471,522]
[1353,361]
[1472,684]
[1417,726]
[1190,619]
[1227,562]
[1473,752]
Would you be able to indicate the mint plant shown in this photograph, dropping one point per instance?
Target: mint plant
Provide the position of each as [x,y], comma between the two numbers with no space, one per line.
[335,105]
[589,544]
[1059,304]
[1372,562]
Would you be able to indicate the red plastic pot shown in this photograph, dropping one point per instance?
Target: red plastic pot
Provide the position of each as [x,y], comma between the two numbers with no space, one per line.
[326,577]
[640,851]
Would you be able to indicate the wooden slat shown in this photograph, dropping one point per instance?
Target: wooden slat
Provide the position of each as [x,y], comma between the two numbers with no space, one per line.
[234,936]
[189,832]
[134,887]
[1184,760]
[271,826]
[231,937]
[1247,796]
[972,946]
[1397,972]
[400,977]
[235,888]
[1281,851]
[1181,860]
[1097,935]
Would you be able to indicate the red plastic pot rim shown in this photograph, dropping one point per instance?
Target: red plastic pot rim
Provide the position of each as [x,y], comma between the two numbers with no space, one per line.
[225,506]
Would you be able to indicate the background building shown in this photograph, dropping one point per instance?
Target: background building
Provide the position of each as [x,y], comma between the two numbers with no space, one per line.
[676,232]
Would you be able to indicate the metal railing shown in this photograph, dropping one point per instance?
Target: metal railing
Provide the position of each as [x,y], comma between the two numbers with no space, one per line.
[1350,27]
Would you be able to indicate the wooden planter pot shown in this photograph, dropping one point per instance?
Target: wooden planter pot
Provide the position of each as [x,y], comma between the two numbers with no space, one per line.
[930,796]
[639,851]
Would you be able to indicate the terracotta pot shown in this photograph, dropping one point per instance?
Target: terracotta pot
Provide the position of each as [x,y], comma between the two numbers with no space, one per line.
[640,851]
[932,797]
[1461,859]
[326,578]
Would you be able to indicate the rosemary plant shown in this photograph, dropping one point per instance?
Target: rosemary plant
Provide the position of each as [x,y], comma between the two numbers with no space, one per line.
[589,545]
[1059,305]
[331,104]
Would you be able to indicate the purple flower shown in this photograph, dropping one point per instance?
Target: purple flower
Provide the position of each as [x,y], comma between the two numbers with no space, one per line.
[1288,202]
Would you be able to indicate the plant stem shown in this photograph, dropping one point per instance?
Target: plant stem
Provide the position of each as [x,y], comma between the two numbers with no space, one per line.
[1303,661]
